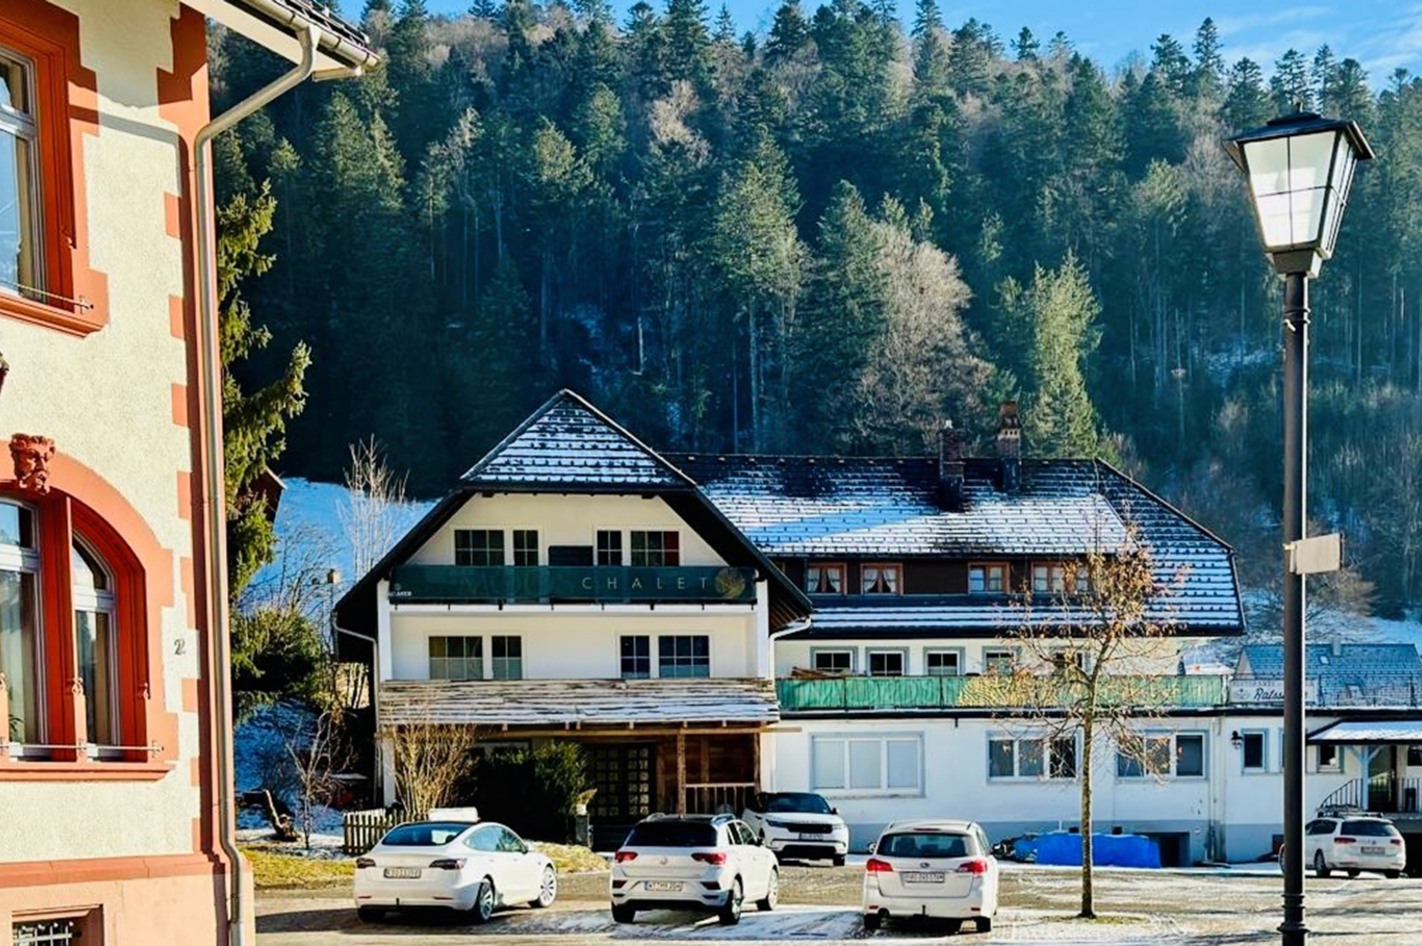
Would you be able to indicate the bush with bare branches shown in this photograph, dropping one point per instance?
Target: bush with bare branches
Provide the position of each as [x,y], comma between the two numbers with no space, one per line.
[430,763]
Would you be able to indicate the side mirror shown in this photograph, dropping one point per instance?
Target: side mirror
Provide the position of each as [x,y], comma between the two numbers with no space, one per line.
[873,846]
[834,811]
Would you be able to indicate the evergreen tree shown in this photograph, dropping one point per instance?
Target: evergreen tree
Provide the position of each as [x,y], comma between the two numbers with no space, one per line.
[1209,64]
[788,33]
[484,9]
[926,18]
[1246,103]
[1324,74]
[1289,85]
[687,40]
[725,27]
[970,58]
[1025,46]
[1060,420]
[1171,64]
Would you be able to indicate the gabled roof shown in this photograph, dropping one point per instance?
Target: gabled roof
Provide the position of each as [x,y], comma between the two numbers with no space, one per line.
[569,442]
[569,446]
[1351,674]
[866,508]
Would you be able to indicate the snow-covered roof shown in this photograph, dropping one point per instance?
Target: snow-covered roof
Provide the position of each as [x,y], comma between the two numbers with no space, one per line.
[864,508]
[1347,675]
[577,702]
[993,616]
[1400,731]
[568,442]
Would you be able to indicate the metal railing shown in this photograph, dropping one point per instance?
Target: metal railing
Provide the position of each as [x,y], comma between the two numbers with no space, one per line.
[991,691]
[1387,794]
[443,584]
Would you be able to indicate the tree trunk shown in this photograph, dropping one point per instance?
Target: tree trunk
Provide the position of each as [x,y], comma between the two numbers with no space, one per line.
[1088,893]
[754,379]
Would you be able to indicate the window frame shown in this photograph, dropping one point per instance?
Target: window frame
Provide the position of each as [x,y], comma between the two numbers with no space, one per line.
[478,640]
[508,661]
[1172,756]
[623,656]
[662,675]
[1244,767]
[25,125]
[901,652]
[1048,756]
[621,549]
[985,590]
[960,658]
[539,556]
[1013,655]
[98,602]
[853,653]
[883,739]
[841,567]
[647,551]
[896,567]
[487,550]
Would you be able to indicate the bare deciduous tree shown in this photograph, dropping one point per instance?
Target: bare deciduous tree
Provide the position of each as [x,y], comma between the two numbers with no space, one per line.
[1094,665]
[376,512]
[317,753]
[430,762]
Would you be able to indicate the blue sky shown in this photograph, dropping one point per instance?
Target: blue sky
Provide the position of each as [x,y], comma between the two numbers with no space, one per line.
[1382,34]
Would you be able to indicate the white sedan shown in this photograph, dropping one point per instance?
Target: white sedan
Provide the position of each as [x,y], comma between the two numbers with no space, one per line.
[939,869]
[458,863]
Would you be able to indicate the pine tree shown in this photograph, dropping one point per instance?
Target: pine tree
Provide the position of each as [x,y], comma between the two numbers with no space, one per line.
[1246,103]
[1208,77]
[253,424]
[969,59]
[1170,63]
[926,19]
[725,27]
[592,11]
[687,40]
[484,9]
[1324,74]
[1025,47]
[1061,421]
[788,33]
[1289,86]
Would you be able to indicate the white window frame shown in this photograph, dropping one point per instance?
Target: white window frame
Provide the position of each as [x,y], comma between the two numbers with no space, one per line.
[520,658]
[1048,751]
[96,602]
[1263,766]
[883,739]
[1336,765]
[26,126]
[902,652]
[956,652]
[651,658]
[26,561]
[657,654]
[1172,753]
[541,551]
[853,653]
[621,547]
[483,657]
[506,549]
[1011,653]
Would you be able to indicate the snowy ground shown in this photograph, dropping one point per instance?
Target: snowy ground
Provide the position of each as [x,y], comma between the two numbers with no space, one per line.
[1145,908]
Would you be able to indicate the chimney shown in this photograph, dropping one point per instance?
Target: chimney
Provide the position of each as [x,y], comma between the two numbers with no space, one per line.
[1009,445]
[950,467]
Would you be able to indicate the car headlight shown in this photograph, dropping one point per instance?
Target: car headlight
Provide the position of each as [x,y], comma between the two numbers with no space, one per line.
[782,825]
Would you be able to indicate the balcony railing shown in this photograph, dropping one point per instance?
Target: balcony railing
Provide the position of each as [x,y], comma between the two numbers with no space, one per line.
[991,691]
[456,584]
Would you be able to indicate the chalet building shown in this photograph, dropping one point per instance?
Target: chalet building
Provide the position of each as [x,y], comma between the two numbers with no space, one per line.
[575,585]
[115,783]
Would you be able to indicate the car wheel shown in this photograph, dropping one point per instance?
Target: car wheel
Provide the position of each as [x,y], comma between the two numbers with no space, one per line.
[623,914]
[370,914]
[1320,867]
[838,860]
[484,902]
[1392,874]
[984,924]
[547,888]
[872,921]
[953,926]
[772,893]
[730,914]
[1354,873]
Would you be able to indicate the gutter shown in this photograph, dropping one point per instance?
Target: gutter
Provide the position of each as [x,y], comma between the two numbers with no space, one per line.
[215,489]
[338,47]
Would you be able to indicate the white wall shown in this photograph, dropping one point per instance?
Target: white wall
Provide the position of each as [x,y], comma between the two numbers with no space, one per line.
[564,520]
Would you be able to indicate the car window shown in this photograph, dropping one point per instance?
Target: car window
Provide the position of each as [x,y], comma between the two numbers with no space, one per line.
[1369,829]
[738,833]
[486,839]
[424,834]
[984,845]
[672,834]
[511,843]
[923,844]
[802,802]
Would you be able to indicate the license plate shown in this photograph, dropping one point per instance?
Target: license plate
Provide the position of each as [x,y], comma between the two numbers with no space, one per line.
[812,837]
[664,885]
[402,873]
[1374,850]
[923,876]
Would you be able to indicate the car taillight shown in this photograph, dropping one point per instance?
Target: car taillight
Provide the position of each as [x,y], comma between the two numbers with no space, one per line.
[1345,840]
[973,867]
[626,856]
[364,862]
[1397,841]
[448,863]
[709,857]
[876,866]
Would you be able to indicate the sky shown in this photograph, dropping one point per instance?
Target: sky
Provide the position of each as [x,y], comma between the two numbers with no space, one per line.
[1382,34]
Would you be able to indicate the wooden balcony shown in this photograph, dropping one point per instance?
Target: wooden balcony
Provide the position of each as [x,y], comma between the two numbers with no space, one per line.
[547,584]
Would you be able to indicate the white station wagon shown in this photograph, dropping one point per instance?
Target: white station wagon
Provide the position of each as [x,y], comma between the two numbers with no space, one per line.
[452,861]
[938,869]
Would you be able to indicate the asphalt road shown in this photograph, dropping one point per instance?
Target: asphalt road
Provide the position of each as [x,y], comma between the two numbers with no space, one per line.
[1140,908]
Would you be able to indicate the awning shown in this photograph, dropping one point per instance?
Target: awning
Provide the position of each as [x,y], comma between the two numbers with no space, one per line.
[570,703]
[1366,732]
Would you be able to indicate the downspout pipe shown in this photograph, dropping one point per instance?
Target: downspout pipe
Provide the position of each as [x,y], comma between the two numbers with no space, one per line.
[215,487]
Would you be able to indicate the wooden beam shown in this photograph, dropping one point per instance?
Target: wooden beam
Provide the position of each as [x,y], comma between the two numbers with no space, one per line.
[755,760]
[680,773]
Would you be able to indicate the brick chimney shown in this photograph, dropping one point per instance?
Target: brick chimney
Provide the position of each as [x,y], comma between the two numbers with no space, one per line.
[1009,445]
[950,467]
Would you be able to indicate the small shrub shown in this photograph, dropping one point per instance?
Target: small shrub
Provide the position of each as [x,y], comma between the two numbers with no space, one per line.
[533,791]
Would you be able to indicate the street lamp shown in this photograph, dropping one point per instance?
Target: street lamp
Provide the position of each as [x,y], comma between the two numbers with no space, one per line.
[1300,169]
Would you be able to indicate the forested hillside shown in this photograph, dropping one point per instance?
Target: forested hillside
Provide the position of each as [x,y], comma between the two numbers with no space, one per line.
[826,239]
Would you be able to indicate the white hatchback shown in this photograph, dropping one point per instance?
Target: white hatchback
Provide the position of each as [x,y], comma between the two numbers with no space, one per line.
[467,866]
[939,869]
[693,862]
[1354,843]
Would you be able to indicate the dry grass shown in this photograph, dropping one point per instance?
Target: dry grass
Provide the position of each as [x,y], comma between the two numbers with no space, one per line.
[571,858]
[274,871]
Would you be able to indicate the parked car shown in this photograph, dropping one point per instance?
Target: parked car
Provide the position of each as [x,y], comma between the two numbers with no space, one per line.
[693,862]
[798,825]
[1354,843]
[452,861]
[939,869]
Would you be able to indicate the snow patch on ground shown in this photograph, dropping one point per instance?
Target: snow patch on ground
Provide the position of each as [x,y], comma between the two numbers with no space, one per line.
[261,760]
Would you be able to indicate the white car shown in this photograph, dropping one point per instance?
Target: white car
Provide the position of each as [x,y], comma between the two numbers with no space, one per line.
[1354,843]
[453,861]
[939,869]
[799,825]
[693,862]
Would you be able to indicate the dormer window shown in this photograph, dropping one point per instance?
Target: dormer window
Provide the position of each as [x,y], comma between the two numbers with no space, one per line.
[987,578]
[881,579]
[1057,578]
[824,579]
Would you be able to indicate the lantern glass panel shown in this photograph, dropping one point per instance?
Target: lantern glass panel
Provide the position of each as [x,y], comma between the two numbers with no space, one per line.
[1289,180]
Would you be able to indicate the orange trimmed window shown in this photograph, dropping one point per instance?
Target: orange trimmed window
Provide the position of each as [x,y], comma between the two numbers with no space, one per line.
[42,262]
[73,641]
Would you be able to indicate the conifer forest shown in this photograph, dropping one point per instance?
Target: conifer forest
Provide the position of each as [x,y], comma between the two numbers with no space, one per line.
[829,236]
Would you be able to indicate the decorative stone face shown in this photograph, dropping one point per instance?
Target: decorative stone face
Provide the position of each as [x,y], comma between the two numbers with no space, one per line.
[31,455]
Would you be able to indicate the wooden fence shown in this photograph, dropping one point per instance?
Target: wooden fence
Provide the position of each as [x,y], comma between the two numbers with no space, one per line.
[362,830]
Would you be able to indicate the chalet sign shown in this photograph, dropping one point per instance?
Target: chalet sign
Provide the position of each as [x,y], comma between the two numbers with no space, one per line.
[561,583]
[1265,691]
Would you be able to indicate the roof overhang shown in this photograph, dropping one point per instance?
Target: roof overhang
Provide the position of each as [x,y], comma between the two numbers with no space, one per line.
[341,48]
[1383,732]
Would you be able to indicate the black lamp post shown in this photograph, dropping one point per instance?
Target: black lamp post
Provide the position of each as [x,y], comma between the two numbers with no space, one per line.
[1300,169]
